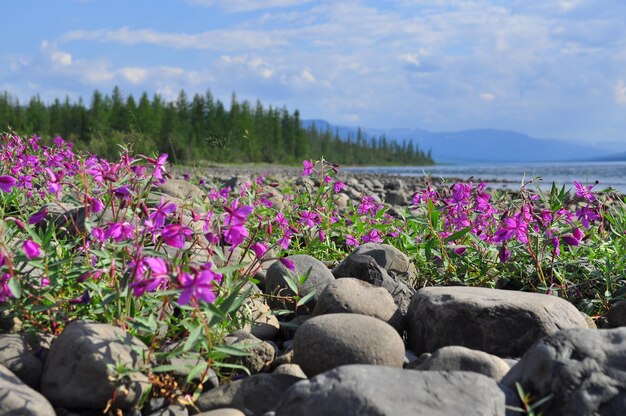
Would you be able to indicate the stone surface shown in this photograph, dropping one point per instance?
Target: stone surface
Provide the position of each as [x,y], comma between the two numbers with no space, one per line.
[395,262]
[290,369]
[264,324]
[68,218]
[17,399]
[396,198]
[616,316]
[252,395]
[365,268]
[583,369]
[319,277]
[222,412]
[350,295]
[182,189]
[16,355]
[75,374]
[328,341]
[261,354]
[500,322]
[356,390]
[455,358]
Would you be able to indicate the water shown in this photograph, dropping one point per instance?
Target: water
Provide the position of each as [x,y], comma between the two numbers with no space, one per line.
[610,174]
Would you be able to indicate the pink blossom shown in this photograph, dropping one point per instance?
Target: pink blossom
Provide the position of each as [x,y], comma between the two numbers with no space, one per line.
[175,235]
[7,183]
[288,263]
[198,286]
[372,237]
[259,249]
[351,241]
[31,249]
[307,168]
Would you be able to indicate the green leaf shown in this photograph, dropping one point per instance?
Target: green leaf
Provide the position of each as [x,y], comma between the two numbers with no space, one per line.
[291,282]
[166,368]
[16,288]
[192,338]
[458,234]
[305,299]
[232,350]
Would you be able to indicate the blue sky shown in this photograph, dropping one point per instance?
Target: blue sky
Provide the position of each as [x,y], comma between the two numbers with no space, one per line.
[549,68]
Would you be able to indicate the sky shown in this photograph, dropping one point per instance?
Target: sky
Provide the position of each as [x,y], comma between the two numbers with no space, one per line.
[549,68]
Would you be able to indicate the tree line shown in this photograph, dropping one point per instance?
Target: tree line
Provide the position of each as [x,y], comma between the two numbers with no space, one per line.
[198,129]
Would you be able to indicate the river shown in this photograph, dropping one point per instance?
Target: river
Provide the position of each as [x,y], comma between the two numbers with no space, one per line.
[510,175]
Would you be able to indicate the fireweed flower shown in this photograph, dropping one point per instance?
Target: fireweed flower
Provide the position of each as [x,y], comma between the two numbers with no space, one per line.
[288,263]
[307,168]
[175,235]
[514,227]
[7,183]
[119,231]
[587,216]
[31,249]
[161,212]
[237,214]
[199,286]
[259,249]
[158,276]
[235,234]
[372,237]
[37,217]
[308,218]
[5,290]
[584,191]
[159,167]
[281,221]
[351,241]
[338,186]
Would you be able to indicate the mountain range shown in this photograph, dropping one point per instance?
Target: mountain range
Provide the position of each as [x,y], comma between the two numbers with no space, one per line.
[481,145]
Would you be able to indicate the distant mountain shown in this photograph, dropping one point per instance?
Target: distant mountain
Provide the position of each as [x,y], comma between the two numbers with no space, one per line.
[484,145]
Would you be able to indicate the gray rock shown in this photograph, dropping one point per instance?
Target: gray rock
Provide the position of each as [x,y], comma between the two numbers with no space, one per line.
[616,316]
[328,341]
[583,369]
[186,363]
[394,184]
[395,262]
[17,399]
[396,198]
[375,390]
[222,412]
[76,373]
[350,295]
[500,322]
[252,395]
[263,324]
[290,369]
[261,354]
[16,355]
[171,410]
[182,189]
[276,284]
[364,267]
[456,358]
[68,218]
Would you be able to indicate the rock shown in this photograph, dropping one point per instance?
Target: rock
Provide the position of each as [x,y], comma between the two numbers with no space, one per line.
[222,412]
[182,189]
[290,369]
[583,369]
[171,410]
[355,390]
[328,341]
[189,362]
[616,316]
[264,324]
[456,358]
[17,356]
[68,218]
[252,395]
[76,373]
[319,277]
[394,184]
[365,268]
[350,295]
[396,198]
[395,262]
[16,398]
[261,354]
[500,322]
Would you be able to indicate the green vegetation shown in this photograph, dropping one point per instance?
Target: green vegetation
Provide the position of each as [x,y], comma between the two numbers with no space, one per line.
[200,129]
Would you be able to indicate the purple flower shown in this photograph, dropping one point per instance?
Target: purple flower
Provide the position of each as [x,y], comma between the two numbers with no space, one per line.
[307,168]
[281,221]
[37,217]
[504,254]
[198,286]
[308,218]
[119,231]
[122,192]
[235,214]
[259,249]
[5,290]
[31,249]
[161,212]
[339,186]
[351,241]
[288,263]
[372,237]
[158,276]
[285,240]
[515,227]
[235,234]
[175,235]
[587,216]
[7,183]
[584,191]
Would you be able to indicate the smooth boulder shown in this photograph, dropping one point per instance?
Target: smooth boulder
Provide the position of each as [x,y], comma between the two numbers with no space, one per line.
[77,375]
[16,355]
[355,390]
[584,371]
[499,322]
[328,341]
[16,398]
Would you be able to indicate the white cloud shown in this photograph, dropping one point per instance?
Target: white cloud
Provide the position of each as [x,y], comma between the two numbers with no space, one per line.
[254,64]
[487,96]
[620,92]
[234,39]
[134,75]
[61,57]
[247,5]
